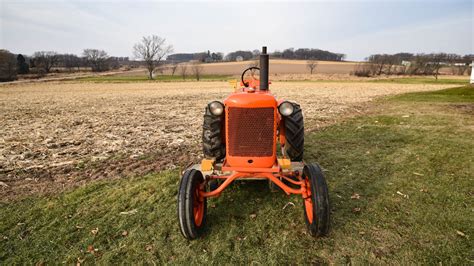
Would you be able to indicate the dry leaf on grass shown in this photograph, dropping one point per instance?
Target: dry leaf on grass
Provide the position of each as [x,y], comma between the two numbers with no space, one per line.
[91,249]
[95,231]
[129,212]
[79,261]
[355,196]
[460,233]
[403,195]
[125,233]
[289,203]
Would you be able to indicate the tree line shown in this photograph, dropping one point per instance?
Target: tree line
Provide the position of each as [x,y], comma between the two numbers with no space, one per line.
[204,57]
[413,64]
[241,55]
[43,62]
[156,55]
[290,53]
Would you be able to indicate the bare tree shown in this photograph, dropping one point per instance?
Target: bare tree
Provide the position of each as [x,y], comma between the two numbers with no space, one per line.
[183,69]
[256,53]
[70,61]
[459,69]
[7,66]
[46,60]
[173,68]
[96,59]
[366,69]
[254,63]
[311,65]
[437,61]
[159,70]
[152,50]
[197,68]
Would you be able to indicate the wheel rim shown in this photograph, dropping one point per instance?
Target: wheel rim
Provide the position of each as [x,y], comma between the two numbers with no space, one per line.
[198,208]
[308,202]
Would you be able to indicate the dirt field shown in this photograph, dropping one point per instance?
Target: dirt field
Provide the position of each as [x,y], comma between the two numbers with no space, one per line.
[54,135]
[277,67]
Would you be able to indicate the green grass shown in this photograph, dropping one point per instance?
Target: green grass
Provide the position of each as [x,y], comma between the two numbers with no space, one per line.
[411,80]
[424,150]
[461,94]
[424,80]
[160,78]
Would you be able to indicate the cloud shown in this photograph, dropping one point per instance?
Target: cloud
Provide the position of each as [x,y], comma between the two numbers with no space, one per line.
[451,35]
[355,28]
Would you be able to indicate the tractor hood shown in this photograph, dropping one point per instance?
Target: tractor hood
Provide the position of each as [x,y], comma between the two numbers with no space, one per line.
[256,99]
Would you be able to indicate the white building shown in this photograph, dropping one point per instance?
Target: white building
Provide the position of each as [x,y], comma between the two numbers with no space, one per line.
[472,73]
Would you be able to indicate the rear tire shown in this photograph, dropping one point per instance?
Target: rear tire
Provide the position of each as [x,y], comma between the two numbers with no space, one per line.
[316,206]
[294,134]
[213,144]
[192,209]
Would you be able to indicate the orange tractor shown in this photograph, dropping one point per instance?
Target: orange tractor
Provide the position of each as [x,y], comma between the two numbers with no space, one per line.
[240,138]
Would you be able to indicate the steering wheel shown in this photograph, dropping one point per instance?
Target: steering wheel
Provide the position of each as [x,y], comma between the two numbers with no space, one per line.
[246,84]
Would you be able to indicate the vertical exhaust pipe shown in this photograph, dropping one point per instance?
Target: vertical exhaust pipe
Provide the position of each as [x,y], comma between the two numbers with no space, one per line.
[264,69]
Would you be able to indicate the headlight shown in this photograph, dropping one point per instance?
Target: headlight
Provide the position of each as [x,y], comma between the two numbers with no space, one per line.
[216,108]
[286,108]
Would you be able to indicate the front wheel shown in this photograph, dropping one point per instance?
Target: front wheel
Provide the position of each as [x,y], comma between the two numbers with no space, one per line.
[316,202]
[192,208]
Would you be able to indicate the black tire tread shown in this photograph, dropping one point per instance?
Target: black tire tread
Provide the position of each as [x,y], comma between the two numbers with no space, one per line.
[294,134]
[213,144]
[187,186]
[320,196]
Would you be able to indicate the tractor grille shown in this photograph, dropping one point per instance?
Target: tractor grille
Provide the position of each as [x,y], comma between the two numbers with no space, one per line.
[250,131]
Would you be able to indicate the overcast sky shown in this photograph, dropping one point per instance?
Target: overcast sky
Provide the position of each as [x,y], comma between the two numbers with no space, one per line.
[355,28]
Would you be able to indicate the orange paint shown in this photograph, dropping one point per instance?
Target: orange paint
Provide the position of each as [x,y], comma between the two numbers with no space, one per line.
[250,100]
[252,128]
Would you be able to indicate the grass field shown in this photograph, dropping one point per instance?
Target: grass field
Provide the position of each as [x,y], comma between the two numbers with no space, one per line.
[425,80]
[400,183]
[449,80]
